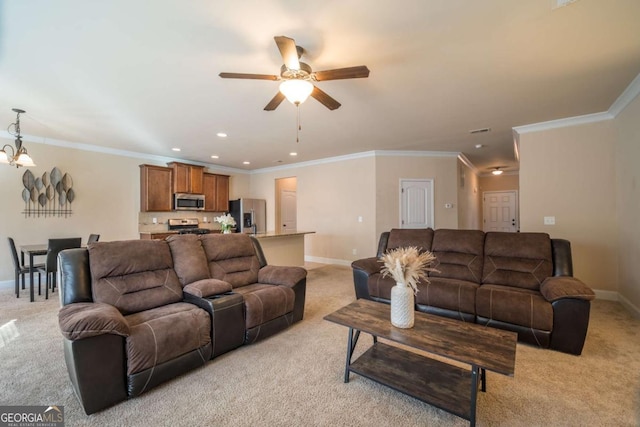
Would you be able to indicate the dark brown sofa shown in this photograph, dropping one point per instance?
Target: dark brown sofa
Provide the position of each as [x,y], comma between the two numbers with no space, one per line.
[516,281]
[138,313]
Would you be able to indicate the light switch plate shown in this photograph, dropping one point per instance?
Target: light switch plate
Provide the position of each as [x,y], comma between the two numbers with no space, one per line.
[549,220]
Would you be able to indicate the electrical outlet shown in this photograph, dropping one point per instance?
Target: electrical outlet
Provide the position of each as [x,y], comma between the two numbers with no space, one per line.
[355,251]
[549,220]
[204,219]
[154,220]
[360,219]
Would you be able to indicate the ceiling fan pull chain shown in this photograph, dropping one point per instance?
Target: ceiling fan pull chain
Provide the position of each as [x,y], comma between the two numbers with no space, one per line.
[298,127]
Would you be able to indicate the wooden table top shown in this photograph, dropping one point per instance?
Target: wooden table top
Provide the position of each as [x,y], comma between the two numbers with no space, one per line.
[483,346]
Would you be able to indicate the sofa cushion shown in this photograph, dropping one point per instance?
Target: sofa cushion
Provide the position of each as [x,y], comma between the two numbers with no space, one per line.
[207,288]
[265,302]
[133,275]
[189,260]
[231,258]
[402,238]
[459,254]
[450,294]
[520,260]
[517,306]
[164,333]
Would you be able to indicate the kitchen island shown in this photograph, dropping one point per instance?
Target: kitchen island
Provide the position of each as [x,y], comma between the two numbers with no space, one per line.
[283,248]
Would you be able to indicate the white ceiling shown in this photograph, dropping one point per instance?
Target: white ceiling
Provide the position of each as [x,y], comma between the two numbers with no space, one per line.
[142,75]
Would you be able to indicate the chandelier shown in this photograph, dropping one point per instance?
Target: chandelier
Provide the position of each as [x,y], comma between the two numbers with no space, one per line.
[19,156]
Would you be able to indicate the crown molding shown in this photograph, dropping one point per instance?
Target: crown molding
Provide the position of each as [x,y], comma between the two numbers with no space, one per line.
[465,161]
[117,152]
[625,97]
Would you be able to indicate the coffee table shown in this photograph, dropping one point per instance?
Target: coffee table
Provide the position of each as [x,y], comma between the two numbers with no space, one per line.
[441,384]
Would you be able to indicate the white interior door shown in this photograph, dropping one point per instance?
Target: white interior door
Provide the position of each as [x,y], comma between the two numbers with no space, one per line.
[416,203]
[288,216]
[500,211]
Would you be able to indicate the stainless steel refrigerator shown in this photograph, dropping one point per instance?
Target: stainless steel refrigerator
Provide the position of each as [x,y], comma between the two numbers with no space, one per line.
[250,215]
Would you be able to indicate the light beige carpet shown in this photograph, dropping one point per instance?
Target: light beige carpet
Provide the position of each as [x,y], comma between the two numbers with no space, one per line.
[296,377]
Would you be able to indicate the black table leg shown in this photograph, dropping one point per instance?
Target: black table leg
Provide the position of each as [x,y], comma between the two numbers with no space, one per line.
[474,395]
[31,276]
[351,344]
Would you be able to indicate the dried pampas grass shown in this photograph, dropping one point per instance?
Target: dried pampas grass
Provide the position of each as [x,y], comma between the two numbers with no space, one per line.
[407,265]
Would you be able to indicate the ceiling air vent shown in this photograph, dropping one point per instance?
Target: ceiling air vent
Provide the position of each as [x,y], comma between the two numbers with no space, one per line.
[483,130]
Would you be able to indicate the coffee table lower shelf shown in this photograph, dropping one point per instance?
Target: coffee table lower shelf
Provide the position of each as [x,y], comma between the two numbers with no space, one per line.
[437,383]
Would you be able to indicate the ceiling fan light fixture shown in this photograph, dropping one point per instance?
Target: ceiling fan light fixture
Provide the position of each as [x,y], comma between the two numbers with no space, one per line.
[296,90]
[497,171]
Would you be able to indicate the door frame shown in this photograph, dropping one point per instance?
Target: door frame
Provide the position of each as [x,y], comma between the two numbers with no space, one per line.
[517,206]
[431,201]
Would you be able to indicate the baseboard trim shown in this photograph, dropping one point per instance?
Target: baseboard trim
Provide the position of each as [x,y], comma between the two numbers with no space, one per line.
[334,261]
[635,311]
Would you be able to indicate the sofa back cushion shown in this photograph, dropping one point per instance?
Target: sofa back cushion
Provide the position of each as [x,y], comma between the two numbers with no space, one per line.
[459,254]
[189,260]
[133,275]
[521,260]
[231,258]
[401,238]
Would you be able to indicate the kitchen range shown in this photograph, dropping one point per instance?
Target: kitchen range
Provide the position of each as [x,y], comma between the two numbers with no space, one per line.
[187,226]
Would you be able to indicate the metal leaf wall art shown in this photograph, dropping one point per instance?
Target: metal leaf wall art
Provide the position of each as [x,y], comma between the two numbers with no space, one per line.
[49,195]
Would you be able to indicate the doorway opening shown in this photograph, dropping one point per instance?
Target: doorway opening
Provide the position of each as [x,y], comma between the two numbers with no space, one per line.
[286,204]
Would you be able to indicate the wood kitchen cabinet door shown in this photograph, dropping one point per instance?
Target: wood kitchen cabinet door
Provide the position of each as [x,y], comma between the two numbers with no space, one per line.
[187,178]
[216,192]
[155,189]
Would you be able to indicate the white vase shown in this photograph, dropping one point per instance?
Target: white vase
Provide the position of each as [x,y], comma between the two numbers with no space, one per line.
[402,306]
[226,231]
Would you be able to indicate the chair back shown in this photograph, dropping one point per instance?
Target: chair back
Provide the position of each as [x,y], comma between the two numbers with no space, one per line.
[93,238]
[57,245]
[14,254]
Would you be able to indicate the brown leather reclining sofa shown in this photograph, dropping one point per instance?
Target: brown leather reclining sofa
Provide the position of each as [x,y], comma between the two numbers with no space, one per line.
[520,282]
[140,312]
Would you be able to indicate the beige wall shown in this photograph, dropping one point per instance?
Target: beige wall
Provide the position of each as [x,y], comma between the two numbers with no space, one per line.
[331,196]
[628,202]
[107,189]
[391,169]
[570,173]
[499,183]
[469,199]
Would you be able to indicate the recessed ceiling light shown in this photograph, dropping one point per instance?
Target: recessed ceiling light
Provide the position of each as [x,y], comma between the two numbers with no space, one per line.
[215,157]
[246,163]
[293,154]
[221,134]
[175,149]
[479,145]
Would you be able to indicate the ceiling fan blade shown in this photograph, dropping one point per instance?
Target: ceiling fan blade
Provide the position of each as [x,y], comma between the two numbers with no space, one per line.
[325,99]
[249,76]
[275,101]
[287,47]
[360,71]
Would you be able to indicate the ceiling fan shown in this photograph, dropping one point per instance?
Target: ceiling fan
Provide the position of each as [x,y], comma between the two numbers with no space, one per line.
[297,77]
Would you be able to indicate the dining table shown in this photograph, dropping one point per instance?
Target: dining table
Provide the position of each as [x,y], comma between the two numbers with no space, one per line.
[32,251]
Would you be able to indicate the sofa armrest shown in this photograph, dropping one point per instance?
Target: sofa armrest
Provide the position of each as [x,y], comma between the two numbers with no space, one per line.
[281,275]
[555,288]
[368,266]
[84,320]
[207,288]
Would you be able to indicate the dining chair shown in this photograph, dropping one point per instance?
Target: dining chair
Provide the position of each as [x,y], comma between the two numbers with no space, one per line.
[50,268]
[20,269]
[93,238]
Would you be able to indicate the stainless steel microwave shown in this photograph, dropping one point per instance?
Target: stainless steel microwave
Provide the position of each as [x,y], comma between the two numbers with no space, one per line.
[188,202]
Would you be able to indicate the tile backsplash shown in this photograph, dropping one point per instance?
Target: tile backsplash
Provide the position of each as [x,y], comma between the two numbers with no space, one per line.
[146,224]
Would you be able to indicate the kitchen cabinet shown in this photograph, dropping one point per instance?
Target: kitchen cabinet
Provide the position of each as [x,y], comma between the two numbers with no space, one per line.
[216,192]
[155,188]
[187,178]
